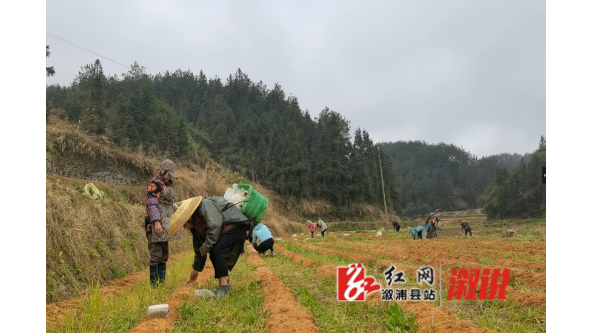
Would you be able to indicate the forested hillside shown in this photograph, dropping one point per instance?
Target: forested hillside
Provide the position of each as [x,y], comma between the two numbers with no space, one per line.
[258,132]
[265,135]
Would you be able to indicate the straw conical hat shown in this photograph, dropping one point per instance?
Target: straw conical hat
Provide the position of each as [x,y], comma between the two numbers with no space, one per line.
[184,211]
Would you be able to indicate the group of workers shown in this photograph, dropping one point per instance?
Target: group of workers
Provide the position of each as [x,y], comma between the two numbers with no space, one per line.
[219,230]
[319,225]
[430,227]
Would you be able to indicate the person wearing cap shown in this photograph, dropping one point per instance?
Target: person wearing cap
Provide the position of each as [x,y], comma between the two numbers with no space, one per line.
[321,226]
[157,220]
[219,229]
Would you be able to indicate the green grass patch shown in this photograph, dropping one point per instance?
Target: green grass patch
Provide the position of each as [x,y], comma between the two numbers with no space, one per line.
[120,314]
[537,259]
[318,296]
[486,260]
[399,321]
[500,315]
[239,312]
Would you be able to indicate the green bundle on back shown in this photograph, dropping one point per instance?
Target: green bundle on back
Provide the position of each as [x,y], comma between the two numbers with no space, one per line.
[255,204]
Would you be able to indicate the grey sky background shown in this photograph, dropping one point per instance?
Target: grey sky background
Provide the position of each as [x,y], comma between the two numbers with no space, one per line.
[471,73]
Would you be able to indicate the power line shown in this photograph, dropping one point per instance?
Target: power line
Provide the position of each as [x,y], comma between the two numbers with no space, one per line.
[82,48]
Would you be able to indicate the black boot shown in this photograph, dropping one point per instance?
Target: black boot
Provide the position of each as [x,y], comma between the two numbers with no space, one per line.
[154,274]
[162,272]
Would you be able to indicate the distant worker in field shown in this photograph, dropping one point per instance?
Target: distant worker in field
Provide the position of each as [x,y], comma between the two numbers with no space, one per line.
[220,229]
[312,229]
[321,226]
[465,226]
[396,225]
[266,240]
[432,229]
[157,220]
[417,232]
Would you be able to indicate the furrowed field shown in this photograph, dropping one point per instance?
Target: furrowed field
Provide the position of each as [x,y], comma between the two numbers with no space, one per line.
[296,290]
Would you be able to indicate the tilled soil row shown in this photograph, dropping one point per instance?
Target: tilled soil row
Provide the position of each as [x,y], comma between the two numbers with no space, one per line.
[429,317]
[180,295]
[488,246]
[323,270]
[367,260]
[295,257]
[522,271]
[283,312]
[55,312]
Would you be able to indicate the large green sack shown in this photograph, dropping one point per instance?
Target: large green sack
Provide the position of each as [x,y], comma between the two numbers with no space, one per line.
[255,204]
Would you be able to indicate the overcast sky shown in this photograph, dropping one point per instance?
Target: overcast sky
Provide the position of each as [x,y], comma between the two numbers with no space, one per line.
[471,73]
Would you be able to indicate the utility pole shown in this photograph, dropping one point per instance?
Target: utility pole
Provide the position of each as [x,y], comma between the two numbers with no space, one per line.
[382,183]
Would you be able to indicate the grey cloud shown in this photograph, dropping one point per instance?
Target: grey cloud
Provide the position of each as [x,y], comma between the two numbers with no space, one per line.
[471,73]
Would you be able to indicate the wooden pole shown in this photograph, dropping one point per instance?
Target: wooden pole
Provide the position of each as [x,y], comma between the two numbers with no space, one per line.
[382,183]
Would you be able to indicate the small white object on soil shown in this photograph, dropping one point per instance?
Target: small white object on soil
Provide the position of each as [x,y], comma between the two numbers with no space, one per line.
[346,235]
[379,234]
[158,311]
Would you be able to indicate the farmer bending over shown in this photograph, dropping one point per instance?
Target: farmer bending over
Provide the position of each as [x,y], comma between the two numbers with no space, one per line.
[321,226]
[396,225]
[312,228]
[266,241]
[465,226]
[218,228]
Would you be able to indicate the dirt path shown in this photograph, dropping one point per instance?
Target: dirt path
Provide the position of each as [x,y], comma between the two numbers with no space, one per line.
[162,325]
[55,312]
[283,312]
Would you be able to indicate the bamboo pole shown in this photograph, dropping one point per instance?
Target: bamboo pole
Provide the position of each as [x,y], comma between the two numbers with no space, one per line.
[382,183]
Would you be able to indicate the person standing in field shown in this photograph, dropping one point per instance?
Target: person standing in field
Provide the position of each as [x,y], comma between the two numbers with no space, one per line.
[321,226]
[312,229]
[157,220]
[266,240]
[465,226]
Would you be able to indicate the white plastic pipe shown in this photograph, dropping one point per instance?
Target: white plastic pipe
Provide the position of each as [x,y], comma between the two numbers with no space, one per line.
[158,311]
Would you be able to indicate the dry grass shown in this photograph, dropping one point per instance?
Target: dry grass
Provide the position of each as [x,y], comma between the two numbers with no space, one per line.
[89,241]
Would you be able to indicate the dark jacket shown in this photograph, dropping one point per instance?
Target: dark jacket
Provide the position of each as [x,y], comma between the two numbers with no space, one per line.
[216,212]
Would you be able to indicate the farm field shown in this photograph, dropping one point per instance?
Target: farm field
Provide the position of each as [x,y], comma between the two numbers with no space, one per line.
[295,291]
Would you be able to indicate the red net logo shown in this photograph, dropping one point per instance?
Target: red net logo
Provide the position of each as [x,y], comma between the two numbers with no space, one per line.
[353,285]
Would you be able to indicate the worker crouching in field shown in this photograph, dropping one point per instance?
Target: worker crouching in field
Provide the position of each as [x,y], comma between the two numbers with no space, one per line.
[322,227]
[417,232]
[218,228]
[432,229]
[157,220]
[465,226]
[266,241]
[396,225]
